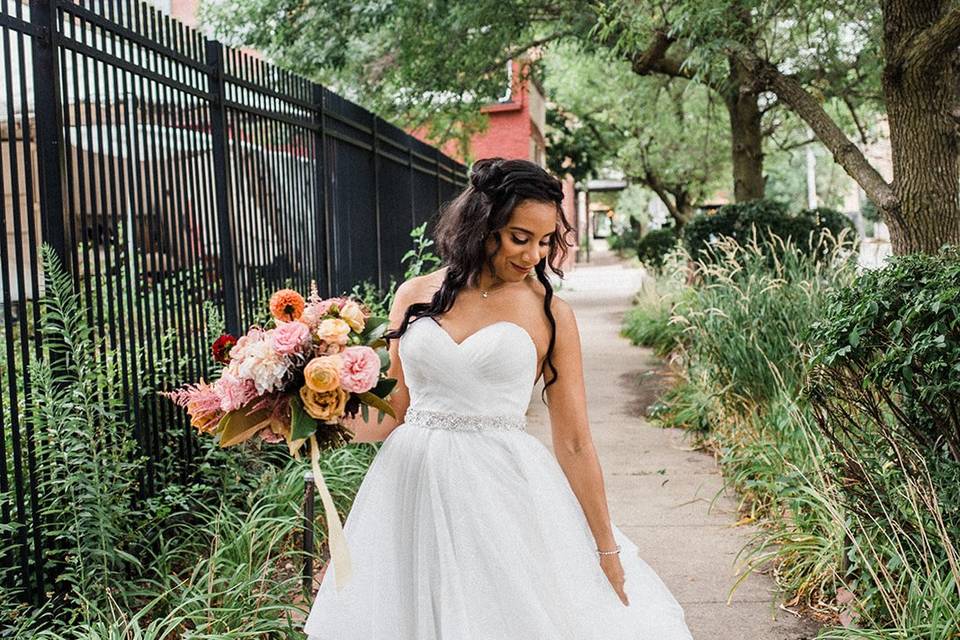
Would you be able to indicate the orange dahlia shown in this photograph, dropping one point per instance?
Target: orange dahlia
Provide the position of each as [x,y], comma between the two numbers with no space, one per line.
[286,304]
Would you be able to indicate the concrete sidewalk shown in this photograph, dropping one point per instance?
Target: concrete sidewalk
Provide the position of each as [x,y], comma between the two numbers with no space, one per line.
[667,497]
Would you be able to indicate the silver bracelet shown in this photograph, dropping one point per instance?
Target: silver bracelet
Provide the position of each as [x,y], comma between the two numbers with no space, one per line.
[607,553]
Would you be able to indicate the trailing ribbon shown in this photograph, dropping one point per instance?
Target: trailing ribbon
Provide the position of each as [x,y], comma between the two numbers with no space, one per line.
[339,551]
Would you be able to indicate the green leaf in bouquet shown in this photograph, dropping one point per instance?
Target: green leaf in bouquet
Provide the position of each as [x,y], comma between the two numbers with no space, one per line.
[302,424]
[365,412]
[377,403]
[384,387]
[374,327]
[384,358]
[239,426]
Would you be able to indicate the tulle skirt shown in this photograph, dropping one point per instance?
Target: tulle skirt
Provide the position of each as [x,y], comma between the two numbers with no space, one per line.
[459,535]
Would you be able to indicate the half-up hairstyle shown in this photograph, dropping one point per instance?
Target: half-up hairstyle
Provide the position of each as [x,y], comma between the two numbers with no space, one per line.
[496,188]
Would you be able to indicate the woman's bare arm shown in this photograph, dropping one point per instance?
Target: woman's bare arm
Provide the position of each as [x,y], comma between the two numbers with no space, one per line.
[399,398]
[572,441]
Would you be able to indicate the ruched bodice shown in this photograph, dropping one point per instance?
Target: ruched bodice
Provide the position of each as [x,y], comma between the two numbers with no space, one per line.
[493,370]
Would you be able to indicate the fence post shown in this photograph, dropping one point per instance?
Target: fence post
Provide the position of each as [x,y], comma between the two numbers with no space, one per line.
[376,199]
[436,160]
[49,129]
[51,172]
[221,180]
[320,187]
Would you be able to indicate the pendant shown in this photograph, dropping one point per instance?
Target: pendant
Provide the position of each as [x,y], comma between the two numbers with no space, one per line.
[483,293]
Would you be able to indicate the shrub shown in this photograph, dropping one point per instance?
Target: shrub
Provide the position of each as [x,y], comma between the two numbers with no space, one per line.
[623,239]
[761,220]
[653,247]
[886,385]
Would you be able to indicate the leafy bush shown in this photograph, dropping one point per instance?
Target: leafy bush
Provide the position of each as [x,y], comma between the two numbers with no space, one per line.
[624,238]
[760,221]
[886,385]
[653,247]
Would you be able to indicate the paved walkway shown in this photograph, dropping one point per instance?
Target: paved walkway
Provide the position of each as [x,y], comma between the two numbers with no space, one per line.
[659,489]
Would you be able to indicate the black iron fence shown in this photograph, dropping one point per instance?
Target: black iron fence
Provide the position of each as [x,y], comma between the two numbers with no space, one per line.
[167,170]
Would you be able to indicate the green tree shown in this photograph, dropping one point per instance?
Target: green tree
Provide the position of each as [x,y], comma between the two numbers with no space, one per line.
[758,55]
[665,134]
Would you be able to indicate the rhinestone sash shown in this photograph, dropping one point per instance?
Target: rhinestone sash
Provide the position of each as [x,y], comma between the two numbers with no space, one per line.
[463,421]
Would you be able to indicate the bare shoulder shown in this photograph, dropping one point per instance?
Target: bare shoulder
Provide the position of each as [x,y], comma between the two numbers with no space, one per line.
[558,306]
[419,287]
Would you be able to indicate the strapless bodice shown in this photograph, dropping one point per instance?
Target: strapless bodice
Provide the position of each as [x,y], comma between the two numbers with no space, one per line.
[491,372]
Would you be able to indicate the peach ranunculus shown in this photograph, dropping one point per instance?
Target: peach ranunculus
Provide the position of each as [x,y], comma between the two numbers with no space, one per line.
[360,369]
[323,373]
[289,337]
[353,315]
[334,330]
[327,405]
[286,304]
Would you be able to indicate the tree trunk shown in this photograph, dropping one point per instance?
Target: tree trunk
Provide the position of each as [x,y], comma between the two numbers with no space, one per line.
[920,106]
[746,135]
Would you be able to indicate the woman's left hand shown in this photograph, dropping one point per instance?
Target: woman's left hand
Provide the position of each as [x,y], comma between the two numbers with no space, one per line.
[614,570]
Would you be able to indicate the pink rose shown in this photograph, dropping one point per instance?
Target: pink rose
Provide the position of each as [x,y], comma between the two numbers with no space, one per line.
[234,392]
[359,369]
[289,337]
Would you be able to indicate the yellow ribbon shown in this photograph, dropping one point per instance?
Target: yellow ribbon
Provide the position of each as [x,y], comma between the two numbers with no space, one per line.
[339,551]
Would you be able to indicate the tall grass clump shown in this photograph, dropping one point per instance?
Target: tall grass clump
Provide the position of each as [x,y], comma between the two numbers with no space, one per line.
[745,314]
[832,400]
[648,321]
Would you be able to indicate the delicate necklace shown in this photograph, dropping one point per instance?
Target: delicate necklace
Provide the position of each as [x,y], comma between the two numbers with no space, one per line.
[484,292]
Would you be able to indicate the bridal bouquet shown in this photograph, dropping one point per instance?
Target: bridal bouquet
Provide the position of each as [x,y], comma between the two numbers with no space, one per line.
[293,380]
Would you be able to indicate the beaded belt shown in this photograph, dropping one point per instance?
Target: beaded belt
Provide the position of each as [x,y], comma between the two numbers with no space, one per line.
[463,421]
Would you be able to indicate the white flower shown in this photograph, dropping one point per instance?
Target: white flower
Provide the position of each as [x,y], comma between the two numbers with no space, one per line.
[263,365]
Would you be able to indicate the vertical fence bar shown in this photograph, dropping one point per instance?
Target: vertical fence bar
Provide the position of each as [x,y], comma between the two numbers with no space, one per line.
[218,131]
[376,199]
[320,188]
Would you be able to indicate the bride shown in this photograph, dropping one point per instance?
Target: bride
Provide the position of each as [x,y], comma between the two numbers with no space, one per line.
[465,526]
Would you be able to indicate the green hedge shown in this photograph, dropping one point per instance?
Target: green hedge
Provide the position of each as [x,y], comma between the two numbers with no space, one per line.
[761,218]
[653,247]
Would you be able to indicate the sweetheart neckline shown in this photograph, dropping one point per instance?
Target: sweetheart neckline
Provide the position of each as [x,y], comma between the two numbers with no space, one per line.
[484,328]
[459,345]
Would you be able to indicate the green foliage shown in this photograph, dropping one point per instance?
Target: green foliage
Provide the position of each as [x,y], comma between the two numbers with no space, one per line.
[86,456]
[886,383]
[768,224]
[894,336]
[870,212]
[747,319]
[829,399]
[653,247]
[623,239]
[239,559]
[647,323]
[420,260]
[671,133]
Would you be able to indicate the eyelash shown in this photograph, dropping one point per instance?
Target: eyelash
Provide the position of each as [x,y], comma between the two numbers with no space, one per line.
[520,241]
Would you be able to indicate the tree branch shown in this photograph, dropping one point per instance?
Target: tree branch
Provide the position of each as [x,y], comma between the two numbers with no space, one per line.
[650,59]
[844,151]
[856,120]
[933,45]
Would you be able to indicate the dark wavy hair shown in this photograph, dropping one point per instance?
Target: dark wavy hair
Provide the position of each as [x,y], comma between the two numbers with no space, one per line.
[496,188]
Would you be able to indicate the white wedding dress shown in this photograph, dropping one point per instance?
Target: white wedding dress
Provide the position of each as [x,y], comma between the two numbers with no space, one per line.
[465,526]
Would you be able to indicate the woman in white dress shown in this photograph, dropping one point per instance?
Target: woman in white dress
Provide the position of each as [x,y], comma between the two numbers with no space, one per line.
[466,527]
